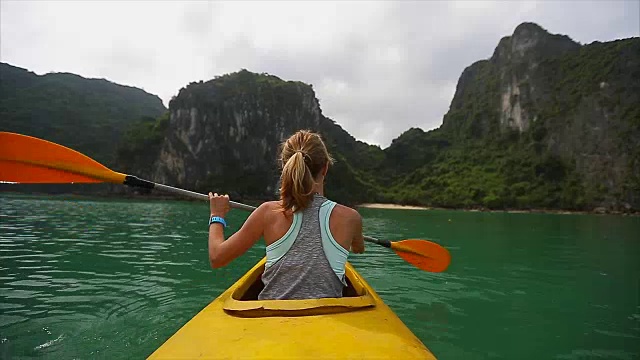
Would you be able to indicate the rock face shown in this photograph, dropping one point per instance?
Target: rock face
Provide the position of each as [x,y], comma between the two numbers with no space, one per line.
[576,102]
[517,58]
[224,134]
[512,74]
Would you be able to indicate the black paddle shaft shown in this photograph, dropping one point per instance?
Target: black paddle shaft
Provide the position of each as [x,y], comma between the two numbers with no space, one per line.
[384,242]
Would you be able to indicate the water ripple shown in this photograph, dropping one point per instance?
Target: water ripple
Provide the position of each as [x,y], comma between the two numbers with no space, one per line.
[87,279]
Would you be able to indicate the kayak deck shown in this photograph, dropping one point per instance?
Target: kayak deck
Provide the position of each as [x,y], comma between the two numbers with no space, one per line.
[238,326]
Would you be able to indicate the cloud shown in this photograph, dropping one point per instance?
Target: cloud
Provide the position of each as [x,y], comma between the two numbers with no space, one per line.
[378,68]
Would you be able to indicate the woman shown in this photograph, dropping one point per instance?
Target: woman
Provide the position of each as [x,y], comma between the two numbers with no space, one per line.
[307,236]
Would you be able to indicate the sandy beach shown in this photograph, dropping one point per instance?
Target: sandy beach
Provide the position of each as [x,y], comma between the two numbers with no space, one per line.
[393,206]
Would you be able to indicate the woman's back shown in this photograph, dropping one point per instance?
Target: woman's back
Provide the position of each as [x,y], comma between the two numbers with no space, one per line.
[307,262]
[307,237]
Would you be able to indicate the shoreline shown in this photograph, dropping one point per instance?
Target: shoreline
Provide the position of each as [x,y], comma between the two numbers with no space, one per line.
[154,196]
[597,211]
[392,206]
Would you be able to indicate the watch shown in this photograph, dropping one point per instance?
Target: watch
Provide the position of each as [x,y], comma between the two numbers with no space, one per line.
[217,219]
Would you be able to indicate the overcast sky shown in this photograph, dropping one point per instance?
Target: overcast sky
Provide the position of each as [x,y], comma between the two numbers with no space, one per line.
[378,68]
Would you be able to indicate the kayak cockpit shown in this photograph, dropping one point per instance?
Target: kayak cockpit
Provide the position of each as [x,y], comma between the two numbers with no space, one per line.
[237,326]
[243,300]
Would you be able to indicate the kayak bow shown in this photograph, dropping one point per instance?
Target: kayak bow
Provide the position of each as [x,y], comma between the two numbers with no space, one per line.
[238,326]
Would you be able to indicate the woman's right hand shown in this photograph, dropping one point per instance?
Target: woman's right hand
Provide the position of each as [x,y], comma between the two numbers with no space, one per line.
[219,204]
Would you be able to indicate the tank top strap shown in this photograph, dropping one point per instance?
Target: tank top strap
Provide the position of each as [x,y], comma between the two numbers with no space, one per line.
[335,253]
[276,250]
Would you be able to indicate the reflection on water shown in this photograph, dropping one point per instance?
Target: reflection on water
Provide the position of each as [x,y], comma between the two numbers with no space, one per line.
[86,279]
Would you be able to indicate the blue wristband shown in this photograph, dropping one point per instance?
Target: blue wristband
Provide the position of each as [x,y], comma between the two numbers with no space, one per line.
[217,219]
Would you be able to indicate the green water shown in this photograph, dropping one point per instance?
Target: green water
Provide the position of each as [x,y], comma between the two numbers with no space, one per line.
[90,279]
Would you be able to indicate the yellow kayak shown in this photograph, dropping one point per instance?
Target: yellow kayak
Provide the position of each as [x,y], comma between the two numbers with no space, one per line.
[238,326]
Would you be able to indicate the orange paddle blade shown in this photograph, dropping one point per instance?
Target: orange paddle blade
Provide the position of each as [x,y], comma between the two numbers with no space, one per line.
[26,159]
[423,254]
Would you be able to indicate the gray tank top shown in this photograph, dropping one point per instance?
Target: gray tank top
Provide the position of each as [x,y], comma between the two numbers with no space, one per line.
[303,272]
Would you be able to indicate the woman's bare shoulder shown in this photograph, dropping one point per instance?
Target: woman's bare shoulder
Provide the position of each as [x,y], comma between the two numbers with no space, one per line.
[271,205]
[270,208]
[346,212]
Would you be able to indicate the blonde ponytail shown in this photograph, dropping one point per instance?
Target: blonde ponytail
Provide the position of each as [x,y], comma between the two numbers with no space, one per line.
[303,156]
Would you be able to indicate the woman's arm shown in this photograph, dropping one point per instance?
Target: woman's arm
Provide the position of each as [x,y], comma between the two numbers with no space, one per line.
[222,252]
[357,244]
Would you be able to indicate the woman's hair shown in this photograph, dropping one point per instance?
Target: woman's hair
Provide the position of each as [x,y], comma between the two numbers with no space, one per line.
[302,158]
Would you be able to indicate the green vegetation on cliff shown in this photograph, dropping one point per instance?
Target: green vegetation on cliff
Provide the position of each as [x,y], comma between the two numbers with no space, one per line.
[495,175]
[140,144]
[580,151]
[87,115]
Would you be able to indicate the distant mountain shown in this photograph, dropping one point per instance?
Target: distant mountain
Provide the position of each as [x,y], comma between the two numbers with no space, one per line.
[88,115]
[224,134]
[545,123]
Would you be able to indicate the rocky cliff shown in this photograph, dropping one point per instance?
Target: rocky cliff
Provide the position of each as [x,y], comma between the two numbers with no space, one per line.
[517,59]
[576,103]
[224,134]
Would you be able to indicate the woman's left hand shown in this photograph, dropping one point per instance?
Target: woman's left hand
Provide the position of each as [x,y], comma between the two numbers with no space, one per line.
[219,204]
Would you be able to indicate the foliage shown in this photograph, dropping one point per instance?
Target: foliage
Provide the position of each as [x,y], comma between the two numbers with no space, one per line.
[140,145]
[473,161]
[87,115]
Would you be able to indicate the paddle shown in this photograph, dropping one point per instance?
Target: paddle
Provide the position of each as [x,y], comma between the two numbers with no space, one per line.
[25,159]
